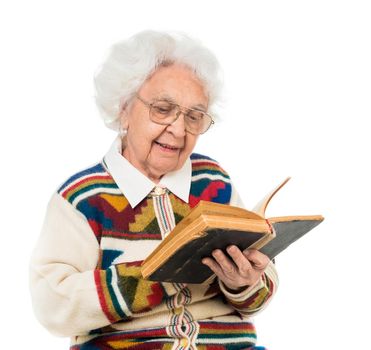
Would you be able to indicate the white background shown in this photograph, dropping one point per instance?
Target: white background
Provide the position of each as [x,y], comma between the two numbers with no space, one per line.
[297,102]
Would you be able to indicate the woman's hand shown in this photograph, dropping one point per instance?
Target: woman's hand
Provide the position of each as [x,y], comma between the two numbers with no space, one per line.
[238,270]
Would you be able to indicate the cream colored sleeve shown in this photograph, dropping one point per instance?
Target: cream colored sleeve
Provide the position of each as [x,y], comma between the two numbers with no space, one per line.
[70,295]
[257,297]
[63,290]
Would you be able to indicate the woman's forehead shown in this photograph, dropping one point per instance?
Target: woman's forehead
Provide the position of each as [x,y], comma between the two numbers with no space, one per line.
[177,84]
[167,98]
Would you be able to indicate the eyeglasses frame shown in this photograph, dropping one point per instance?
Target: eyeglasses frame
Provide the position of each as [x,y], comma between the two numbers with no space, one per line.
[180,111]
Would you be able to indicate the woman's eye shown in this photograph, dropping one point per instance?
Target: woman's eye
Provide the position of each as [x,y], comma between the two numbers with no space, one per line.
[163,109]
[195,116]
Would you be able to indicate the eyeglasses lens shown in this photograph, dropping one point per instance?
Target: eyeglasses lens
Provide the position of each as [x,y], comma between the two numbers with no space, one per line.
[165,113]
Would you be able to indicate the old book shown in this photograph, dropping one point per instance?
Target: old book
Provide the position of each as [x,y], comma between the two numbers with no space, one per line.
[212,226]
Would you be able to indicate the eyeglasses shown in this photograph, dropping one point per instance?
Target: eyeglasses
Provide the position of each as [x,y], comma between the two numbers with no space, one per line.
[166,113]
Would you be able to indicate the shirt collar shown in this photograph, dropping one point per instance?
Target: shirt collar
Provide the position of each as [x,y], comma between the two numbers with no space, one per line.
[136,186]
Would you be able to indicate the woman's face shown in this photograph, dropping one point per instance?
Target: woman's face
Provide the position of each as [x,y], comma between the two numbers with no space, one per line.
[158,149]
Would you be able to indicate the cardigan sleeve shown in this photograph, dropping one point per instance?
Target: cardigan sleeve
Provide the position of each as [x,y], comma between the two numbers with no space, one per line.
[69,295]
[254,298]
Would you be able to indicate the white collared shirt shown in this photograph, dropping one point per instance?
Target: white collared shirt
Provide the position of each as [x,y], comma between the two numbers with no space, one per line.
[135,186]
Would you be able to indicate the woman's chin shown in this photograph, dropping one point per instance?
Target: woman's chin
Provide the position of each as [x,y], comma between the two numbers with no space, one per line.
[161,167]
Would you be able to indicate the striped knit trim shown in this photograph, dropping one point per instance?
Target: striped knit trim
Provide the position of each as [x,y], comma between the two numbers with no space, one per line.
[207,169]
[191,328]
[226,333]
[130,235]
[89,191]
[179,286]
[151,338]
[87,183]
[203,164]
[196,156]
[111,300]
[210,176]
[164,213]
[258,299]
[95,169]
[211,335]
[181,326]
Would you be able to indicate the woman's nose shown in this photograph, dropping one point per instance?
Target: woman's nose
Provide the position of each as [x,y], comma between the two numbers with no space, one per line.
[177,127]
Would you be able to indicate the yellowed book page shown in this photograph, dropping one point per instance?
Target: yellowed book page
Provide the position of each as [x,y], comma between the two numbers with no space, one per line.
[210,208]
[295,218]
[261,206]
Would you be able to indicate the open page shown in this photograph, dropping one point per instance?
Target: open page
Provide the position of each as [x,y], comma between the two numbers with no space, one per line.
[262,205]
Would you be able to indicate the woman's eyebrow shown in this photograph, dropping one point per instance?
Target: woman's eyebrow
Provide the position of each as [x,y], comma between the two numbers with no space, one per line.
[200,106]
[167,98]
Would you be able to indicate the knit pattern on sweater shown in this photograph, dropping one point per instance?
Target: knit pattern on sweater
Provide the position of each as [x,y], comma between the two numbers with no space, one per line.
[123,294]
[96,195]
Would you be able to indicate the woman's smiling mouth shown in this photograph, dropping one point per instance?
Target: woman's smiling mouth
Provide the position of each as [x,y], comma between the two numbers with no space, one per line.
[166,146]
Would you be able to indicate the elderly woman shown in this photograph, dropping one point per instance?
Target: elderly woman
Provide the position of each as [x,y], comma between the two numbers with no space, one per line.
[157,91]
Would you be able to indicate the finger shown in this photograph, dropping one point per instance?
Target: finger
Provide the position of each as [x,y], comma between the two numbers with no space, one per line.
[213,265]
[257,259]
[243,264]
[226,264]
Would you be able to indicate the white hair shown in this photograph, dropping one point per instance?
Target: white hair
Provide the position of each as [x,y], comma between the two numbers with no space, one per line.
[130,62]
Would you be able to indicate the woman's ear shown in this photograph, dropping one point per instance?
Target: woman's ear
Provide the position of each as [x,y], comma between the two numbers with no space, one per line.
[124,120]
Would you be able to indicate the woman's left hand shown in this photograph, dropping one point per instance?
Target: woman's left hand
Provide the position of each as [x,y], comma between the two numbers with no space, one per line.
[239,269]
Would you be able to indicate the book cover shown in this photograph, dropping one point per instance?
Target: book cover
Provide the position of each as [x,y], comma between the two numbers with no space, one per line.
[211,226]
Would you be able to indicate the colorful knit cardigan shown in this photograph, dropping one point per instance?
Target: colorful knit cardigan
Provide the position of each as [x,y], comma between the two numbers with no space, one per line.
[94,283]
